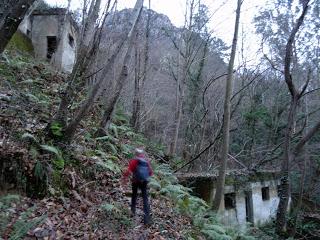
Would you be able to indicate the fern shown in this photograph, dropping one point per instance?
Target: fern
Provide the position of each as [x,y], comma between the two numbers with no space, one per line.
[112,148]
[108,165]
[113,158]
[194,207]
[116,212]
[8,199]
[114,129]
[39,171]
[211,234]
[107,138]
[51,149]
[126,149]
[121,117]
[59,161]
[56,129]
[109,208]
[216,228]
[32,98]
[175,191]
[23,224]
[154,183]
[30,137]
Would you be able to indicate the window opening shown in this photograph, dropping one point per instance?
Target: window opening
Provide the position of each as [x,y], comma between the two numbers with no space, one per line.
[71,40]
[230,200]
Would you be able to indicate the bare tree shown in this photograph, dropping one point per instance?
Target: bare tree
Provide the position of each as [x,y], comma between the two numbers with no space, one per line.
[140,77]
[186,55]
[226,119]
[88,44]
[291,153]
[122,76]
[12,13]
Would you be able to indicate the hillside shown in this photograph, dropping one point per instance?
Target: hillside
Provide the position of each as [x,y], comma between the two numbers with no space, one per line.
[48,191]
[88,96]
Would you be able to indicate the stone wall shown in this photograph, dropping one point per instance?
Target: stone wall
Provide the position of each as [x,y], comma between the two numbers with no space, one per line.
[69,49]
[263,210]
[43,26]
[243,201]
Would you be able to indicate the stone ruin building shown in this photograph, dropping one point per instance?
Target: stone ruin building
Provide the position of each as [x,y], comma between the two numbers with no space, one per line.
[44,28]
[247,199]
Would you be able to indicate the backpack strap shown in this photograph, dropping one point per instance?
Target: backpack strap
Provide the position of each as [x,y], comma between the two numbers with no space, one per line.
[142,160]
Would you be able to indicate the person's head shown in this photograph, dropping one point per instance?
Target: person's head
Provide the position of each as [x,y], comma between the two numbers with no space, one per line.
[139,151]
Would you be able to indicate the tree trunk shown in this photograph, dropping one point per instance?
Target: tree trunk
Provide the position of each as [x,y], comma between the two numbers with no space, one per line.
[285,169]
[83,58]
[109,108]
[141,78]
[11,15]
[296,211]
[114,99]
[179,105]
[136,97]
[289,155]
[219,196]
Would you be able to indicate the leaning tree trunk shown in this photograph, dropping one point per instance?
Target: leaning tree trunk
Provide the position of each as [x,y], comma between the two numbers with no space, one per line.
[226,119]
[85,54]
[71,129]
[11,15]
[110,106]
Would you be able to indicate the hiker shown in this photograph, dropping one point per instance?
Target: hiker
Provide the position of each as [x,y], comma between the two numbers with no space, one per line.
[141,170]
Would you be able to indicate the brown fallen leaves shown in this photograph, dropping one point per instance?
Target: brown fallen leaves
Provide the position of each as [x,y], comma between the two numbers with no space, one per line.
[78,218]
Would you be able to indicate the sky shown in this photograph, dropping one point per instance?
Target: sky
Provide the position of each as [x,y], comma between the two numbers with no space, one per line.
[222,21]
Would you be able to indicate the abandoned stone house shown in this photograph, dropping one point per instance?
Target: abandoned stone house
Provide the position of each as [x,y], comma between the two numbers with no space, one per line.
[247,199]
[44,28]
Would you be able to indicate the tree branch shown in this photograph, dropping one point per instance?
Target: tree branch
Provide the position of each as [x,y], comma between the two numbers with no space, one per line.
[306,138]
[289,47]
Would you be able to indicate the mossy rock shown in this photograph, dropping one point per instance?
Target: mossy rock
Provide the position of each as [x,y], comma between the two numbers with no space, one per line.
[21,42]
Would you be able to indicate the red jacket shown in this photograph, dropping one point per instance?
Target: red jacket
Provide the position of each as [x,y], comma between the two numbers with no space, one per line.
[133,165]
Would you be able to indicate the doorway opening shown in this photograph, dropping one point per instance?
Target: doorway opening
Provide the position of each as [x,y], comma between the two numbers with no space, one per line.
[51,46]
[249,207]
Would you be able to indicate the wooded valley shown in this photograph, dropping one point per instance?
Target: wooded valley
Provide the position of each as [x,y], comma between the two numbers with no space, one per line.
[233,140]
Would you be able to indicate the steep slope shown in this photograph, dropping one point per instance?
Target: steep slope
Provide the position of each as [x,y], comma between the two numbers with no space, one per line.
[85,199]
[74,191]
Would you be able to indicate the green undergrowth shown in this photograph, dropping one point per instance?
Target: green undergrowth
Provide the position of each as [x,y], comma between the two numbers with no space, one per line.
[24,222]
[104,156]
[119,144]
[116,215]
[204,220]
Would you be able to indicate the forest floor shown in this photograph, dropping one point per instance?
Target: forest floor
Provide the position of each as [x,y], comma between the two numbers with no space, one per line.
[84,217]
[93,205]
[49,191]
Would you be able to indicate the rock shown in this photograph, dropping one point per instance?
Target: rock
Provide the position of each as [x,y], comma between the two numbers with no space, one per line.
[5,97]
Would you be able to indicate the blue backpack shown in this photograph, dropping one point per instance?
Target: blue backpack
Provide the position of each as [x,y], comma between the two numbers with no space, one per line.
[142,171]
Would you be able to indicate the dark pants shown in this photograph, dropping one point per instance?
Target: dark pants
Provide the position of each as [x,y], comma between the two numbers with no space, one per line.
[146,209]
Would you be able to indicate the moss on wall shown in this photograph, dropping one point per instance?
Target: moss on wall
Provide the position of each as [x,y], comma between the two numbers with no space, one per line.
[21,42]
